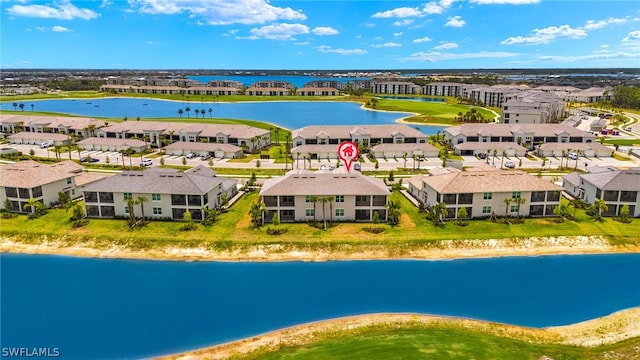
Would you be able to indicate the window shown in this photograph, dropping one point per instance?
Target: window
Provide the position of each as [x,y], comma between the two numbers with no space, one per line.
[486,210]
[155,197]
[308,212]
[157,211]
[515,194]
[514,208]
[126,210]
[339,212]
[37,191]
[127,195]
[105,197]
[177,199]
[339,198]
[90,196]
[68,181]
[11,192]
[488,196]
[308,198]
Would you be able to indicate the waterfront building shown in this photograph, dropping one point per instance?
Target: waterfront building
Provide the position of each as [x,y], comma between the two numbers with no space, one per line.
[110,144]
[617,187]
[364,135]
[169,192]
[335,84]
[591,95]
[443,89]
[204,149]
[31,138]
[317,91]
[408,150]
[394,86]
[527,135]
[28,179]
[271,88]
[81,127]
[298,196]
[482,193]
[532,107]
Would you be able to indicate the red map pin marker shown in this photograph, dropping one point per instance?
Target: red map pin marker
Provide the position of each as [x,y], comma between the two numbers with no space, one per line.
[347,152]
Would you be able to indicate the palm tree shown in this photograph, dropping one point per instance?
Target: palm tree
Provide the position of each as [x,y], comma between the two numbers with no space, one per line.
[600,205]
[324,200]
[437,211]
[331,199]
[32,204]
[132,216]
[202,111]
[504,153]
[180,112]
[21,107]
[393,213]
[211,113]
[519,201]
[15,105]
[197,112]
[574,203]
[277,131]
[187,109]
[314,199]
[32,107]
[255,211]
[141,199]
[507,202]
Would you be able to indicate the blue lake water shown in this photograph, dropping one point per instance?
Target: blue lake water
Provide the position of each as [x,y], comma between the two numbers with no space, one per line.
[288,114]
[116,309]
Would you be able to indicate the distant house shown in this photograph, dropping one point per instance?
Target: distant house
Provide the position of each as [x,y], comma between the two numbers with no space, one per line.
[110,144]
[31,138]
[169,193]
[615,186]
[408,150]
[28,179]
[220,151]
[354,197]
[488,148]
[482,192]
[317,91]
[582,149]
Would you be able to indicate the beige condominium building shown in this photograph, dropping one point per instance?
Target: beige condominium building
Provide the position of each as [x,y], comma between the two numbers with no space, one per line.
[169,193]
[483,192]
[298,196]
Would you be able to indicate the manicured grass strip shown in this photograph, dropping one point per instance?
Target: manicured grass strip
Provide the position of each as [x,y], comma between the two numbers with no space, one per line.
[434,342]
[431,112]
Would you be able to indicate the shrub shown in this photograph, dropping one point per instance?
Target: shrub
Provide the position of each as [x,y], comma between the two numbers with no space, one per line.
[373,230]
[79,223]
[272,231]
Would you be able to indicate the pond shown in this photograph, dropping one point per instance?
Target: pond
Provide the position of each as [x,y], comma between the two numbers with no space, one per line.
[287,114]
[108,308]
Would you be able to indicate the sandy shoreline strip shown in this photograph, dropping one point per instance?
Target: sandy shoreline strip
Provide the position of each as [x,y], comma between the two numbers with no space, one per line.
[609,329]
[444,249]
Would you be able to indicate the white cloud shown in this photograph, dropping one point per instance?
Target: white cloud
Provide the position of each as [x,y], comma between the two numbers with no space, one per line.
[304,43]
[59,29]
[502,2]
[632,36]
[433,8]
[446,46]
[62,10]
[221,12]
[403,22]
[397,34]
[54,29]
[546,35]
[593,24]
[325,30]
[422,40]
[279,31]
[389,44]
[329,49]
[455,21]
[398,13]
[437,56]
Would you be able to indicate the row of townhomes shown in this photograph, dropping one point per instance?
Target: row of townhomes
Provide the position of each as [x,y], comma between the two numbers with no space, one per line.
[517,139]
[615,186]
[218,140]
[482,192]
[320,142]
[170,193]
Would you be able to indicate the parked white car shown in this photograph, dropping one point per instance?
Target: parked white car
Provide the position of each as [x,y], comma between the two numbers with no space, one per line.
[191,155]
[146,162]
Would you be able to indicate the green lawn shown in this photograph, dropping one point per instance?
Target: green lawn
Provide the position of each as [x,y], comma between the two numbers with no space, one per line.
[446,342]
[431,112]
[415,231]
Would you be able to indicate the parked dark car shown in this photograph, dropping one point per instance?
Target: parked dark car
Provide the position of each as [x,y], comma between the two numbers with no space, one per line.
[88,159]
[482,155]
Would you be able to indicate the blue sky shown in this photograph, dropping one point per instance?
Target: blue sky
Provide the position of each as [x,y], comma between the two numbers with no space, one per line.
[328,34]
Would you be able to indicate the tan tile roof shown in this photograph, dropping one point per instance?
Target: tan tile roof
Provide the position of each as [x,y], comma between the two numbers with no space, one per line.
[39,136]
[201,146]
[345,131]
[488,181]
[111,141]
[406,147]
[323,183]
[29,174]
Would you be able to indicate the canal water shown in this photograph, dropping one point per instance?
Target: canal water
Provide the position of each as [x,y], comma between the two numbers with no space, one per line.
[128,309]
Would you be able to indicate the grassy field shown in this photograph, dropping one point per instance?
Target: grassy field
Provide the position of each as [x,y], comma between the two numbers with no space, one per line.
[233,229]
[446,342]
[431,112]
